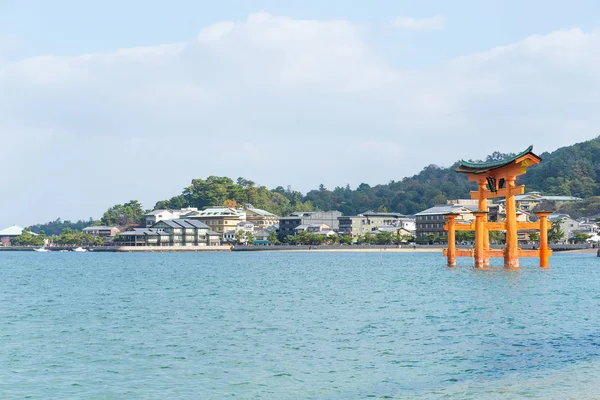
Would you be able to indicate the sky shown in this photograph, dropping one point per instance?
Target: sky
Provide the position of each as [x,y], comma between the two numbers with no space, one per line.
[105,102]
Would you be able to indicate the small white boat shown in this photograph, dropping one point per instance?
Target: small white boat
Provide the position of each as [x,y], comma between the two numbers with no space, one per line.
[79,250]
[42,250]
[63,251]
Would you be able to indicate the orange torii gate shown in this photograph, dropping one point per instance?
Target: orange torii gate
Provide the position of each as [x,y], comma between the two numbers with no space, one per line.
[497,179]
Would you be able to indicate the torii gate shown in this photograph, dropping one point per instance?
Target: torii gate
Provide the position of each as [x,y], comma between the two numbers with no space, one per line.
[497,179]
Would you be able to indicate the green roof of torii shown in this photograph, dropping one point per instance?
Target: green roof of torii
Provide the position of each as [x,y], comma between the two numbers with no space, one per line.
[480,168]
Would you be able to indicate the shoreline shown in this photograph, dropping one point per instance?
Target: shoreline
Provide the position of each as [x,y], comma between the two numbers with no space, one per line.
[263,249]
[350,250]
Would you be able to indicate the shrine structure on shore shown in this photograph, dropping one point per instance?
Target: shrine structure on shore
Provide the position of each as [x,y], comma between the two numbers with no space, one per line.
[497,179]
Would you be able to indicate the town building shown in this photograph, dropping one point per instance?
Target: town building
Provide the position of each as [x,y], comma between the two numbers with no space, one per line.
[370,221]
[175,232]
[161,215]
[102,231]
[260,218]
[143,237]
[528,201]
[317,229]
[219,219]
[287,225]
[214,239]
[261,236]
[184,232]
[402,232]
[230,235]
[6,235]
[568,225]
[463,202]
[432,220]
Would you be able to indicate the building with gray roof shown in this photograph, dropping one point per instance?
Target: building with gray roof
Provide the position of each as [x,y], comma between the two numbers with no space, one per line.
[433,219]
[173,232]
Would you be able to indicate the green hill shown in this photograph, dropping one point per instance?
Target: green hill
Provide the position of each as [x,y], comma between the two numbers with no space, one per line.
[572,170]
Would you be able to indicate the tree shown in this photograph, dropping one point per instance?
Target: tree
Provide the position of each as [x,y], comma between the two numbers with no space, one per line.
[346,239]
[55,227]
[291,239]
[556,234]
[127,214]
[249,238]
[535,236]
[240,236]
[69,237]
[465,236]
[497,237]
[367,238]
[272,237]
[230,203]
[580,237]
[384,238]
[333,239]
[27,238]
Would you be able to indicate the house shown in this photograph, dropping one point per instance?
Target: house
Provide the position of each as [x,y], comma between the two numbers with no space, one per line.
[369,221]
[261,236]
[161,215]
[568,225]
[394,229]
[230,235]
[184,232]
[219,219]
[102,231]
[214,239]
[144,237]
[260,218]
[432,220]
[6,235]
[174,232]
[528,201]
[287,225]
[245,226]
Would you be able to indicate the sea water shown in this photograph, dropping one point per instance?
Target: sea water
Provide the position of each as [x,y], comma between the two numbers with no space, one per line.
[308,325]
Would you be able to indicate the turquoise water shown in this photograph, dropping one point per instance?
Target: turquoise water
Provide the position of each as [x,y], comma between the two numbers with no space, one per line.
[295,326]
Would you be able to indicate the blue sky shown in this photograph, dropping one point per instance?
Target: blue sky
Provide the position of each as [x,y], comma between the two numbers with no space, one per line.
[90,92]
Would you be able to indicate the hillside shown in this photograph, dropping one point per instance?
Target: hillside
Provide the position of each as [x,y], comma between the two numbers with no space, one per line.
[572,170]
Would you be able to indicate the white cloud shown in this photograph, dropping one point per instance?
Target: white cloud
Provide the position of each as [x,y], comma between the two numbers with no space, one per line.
[279,101]
[420,24]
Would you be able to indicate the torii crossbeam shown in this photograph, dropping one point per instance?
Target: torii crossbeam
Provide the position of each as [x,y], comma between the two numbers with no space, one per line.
[497,179]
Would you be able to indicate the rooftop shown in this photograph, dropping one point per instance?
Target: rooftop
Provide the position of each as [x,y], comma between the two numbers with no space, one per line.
[218,212]
[14,230]
[183,223]
[382,214]
[445,209]
[483,167]
[94,228]
[260,212]
[144,232]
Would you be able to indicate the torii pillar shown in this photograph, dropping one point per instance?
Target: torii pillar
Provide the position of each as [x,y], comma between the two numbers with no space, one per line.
[544,250]
[480,259]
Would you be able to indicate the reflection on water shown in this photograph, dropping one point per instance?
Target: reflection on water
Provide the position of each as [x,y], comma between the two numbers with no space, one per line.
[296,325]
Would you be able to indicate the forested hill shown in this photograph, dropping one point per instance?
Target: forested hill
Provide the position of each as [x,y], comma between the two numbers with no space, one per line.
[572,170]
[569,171]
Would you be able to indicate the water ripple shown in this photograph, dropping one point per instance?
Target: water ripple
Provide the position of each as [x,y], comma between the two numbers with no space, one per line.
[295,326]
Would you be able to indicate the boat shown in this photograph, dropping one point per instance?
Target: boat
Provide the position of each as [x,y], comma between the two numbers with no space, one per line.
[79,250]
[63,251]
[41,250]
